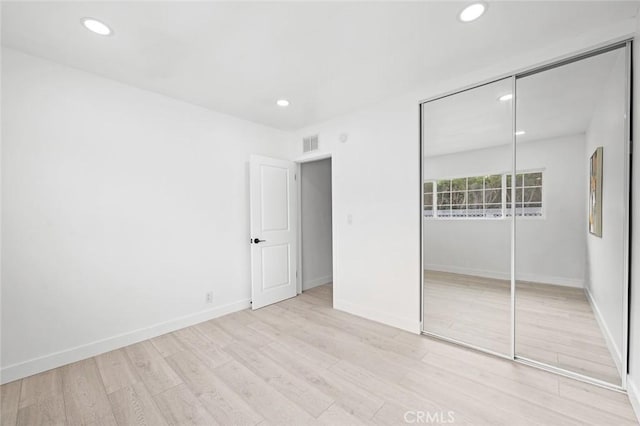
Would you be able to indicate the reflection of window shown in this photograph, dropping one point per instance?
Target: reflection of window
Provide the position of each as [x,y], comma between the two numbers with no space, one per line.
[528,194]
[483,196]
[428,199]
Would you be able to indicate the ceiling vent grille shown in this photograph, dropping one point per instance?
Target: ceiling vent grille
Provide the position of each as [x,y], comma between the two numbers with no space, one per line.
[310,143]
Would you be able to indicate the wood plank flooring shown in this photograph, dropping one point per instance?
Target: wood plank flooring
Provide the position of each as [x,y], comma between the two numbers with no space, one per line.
[301,362]
[554,324]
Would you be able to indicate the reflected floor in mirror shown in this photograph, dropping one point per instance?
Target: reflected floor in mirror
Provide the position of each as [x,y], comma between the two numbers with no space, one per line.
[554,324]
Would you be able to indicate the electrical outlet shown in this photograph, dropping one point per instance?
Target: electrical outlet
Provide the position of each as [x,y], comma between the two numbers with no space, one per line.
[210,297]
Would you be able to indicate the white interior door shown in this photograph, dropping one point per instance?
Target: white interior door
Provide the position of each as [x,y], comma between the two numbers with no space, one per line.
[273,230]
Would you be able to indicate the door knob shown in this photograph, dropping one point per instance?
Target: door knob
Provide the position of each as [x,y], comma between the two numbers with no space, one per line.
[258,241]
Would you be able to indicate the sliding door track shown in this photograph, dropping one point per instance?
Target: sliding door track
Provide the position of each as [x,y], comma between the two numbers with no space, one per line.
[531,363]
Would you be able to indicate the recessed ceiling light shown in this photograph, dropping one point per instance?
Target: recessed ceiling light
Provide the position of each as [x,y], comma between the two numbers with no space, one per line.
[472,12]
[506,97]
[282,103]
[520,132]
[96,26]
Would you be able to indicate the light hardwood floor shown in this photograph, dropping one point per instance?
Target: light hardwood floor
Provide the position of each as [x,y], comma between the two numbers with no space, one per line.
[301,362]
[554,324]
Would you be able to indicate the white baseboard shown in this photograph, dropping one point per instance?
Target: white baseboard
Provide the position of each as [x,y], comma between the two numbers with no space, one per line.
[608,337]
[634,396]
[412,326]
[308,285]
[78,353]
[536,278]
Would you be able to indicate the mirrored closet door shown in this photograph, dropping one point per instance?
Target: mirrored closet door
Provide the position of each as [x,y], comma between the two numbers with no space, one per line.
[570,193]
[525,211]
[468,154]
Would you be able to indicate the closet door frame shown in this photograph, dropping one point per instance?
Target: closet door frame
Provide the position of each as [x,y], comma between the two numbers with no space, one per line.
[627,45]
[510,354]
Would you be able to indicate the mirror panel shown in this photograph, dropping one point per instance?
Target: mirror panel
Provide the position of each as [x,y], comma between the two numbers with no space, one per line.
[570,209]
[468,155]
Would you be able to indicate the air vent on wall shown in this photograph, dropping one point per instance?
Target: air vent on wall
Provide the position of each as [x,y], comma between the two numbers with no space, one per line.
[310,143]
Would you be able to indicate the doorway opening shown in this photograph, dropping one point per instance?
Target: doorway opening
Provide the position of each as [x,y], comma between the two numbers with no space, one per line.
[315,256]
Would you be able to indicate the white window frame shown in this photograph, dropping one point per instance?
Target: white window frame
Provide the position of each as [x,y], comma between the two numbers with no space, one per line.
[543,215]
[434,198]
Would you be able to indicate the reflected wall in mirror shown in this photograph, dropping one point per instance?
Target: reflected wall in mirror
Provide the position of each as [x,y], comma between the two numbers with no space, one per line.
[467,148]
[570,283]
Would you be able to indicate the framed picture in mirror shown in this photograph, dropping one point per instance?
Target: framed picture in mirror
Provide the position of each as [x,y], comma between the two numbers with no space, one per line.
[595,193]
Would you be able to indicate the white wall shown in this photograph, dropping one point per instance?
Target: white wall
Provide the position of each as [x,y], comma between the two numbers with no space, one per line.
[605,255]
[122,208]
[315,201]
[633,379]
[377,183]
[483,247]
[375,222]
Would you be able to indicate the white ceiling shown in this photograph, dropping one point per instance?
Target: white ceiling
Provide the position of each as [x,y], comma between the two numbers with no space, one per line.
[562,101]
[470,120]
[557,102]
[327,58]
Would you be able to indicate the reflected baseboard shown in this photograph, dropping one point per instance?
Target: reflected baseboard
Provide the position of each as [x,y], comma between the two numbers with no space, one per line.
[498,275]
[608,337]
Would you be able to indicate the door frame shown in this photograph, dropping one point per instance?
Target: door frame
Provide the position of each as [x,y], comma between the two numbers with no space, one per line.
[299,163]
[626,43]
